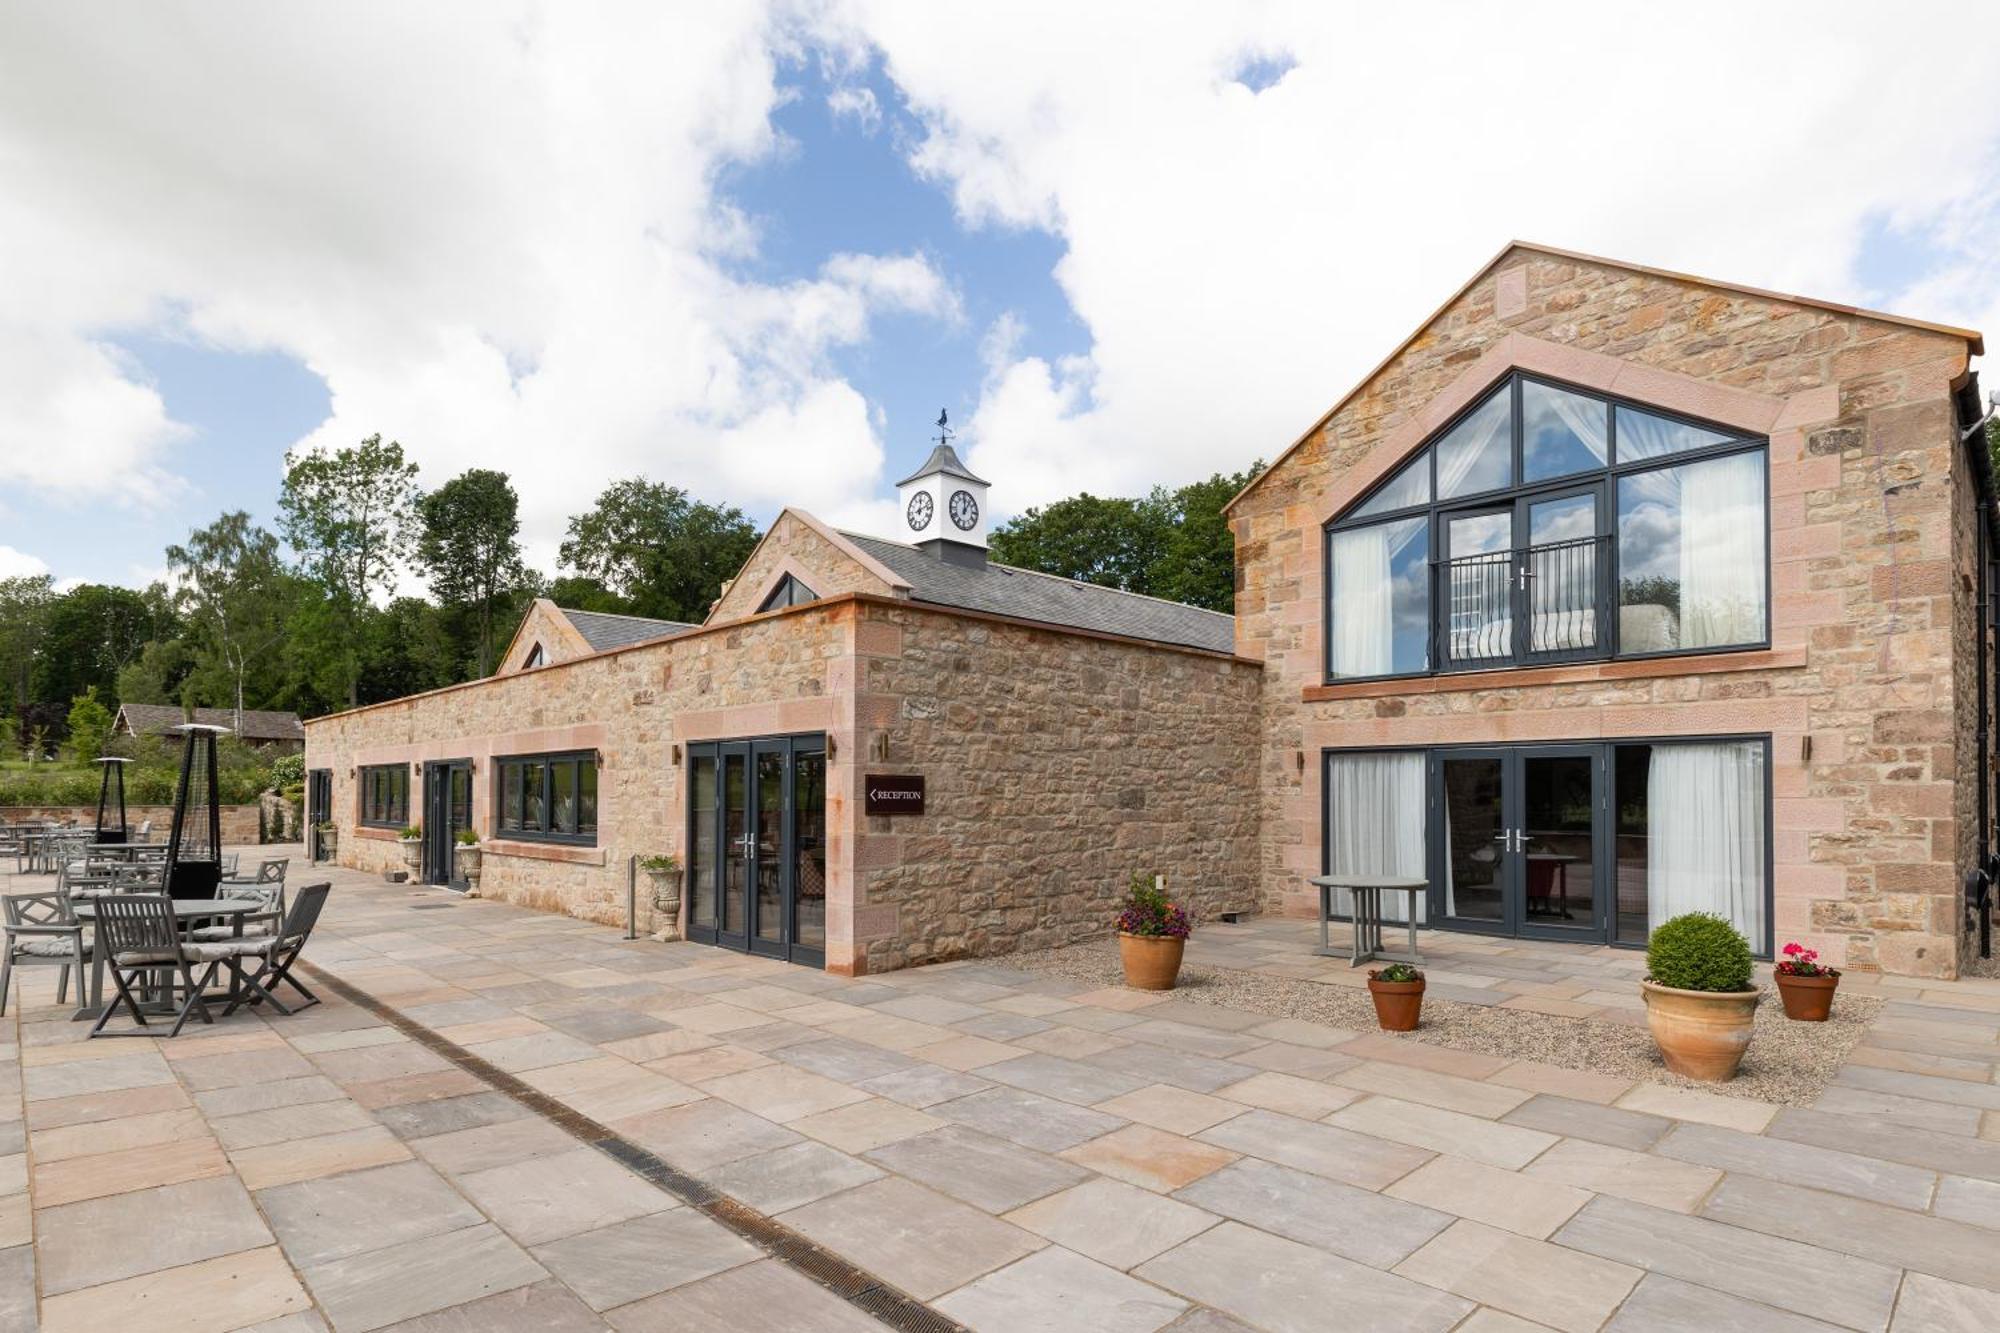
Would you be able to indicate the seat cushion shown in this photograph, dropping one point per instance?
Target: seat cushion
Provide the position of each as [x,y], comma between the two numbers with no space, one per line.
[141,958]
[50,948]
[227,933]
[215,951]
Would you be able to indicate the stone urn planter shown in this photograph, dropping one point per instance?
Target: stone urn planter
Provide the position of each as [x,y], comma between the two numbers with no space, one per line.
[329,842]
[1700,1002]
[1152,935]
[413,851]
[469,858]
[1804,986]
[1398,993]
[665,874]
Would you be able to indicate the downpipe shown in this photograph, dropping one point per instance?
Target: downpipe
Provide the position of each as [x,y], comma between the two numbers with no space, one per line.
[632,896]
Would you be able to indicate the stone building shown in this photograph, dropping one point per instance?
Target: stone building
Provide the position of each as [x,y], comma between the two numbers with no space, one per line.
[1614,593]
[1611,593]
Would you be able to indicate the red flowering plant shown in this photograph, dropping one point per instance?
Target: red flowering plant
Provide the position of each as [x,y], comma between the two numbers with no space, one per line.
[1149,913]
[1800,961]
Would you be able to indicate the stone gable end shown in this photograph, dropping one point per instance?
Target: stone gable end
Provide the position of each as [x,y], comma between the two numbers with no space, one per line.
[805,549]
[1863,674]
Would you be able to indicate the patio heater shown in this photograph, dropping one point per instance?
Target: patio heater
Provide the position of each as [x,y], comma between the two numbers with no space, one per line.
[114,776]
[194,847]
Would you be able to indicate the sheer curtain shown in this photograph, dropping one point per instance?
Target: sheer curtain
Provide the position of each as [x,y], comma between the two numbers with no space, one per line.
[1722,551]
[1705,834]
[1363,604]
[1375,822]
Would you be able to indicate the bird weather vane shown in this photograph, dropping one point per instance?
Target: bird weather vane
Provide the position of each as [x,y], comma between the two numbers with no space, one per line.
[944,430]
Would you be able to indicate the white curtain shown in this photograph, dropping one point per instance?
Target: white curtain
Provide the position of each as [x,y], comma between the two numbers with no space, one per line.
[1363,604]
[1375,822]
[1722,551]
[1471,442]
[1584,418]
[1705,834]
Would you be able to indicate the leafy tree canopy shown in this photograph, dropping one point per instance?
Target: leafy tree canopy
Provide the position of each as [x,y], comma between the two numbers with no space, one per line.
[469,545]
[89,726]
[1174,544]
[662,552]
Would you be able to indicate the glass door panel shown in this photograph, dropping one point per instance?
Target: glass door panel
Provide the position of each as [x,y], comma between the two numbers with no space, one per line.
[1560,572]
[701,868]
[736,842]
[767,847]
[1479,588]
[1558,824]
[1475,838]
[809,849]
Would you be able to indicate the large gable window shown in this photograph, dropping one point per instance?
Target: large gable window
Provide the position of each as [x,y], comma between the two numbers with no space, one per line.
[1548,523]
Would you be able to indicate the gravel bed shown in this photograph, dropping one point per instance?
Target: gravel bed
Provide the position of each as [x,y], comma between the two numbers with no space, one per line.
[1787,1063]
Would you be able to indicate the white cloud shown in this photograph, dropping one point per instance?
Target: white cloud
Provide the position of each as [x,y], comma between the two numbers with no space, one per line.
[492,228]
[856,103]
[19,564]
[1241,257]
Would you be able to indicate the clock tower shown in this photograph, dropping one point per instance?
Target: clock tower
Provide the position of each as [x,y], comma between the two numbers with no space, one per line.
[944,506]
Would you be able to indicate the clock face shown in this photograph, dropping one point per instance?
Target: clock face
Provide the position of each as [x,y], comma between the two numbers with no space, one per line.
[964,510]
[919,512]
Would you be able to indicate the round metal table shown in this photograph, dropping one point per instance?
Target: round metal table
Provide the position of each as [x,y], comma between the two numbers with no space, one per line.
[185,910]
[1368,891]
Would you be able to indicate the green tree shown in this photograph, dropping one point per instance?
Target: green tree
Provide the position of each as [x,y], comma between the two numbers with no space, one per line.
[581,593]
[237,596]
[469,545]
[89,726]
[24,611]
[662,552]
[1089,538]
[92,633]
[351,515]
[1170,543]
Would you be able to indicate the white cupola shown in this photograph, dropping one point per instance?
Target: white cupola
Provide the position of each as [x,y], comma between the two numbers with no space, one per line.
[944,506]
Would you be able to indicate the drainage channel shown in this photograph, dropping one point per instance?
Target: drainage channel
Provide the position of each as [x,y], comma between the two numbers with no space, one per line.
[857,1286]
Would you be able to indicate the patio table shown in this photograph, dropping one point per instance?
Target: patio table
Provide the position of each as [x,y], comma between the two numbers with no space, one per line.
[187,911]
[1368,891]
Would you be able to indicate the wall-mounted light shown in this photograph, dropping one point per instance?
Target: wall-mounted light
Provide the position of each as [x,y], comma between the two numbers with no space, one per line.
[676,753]
[832,748]
[1300,756]
[1805,748]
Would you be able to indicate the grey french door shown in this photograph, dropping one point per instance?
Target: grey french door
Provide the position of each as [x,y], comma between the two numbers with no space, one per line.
[447,809]
[756,846]
[319,810]
[1522,841]
[1520,581]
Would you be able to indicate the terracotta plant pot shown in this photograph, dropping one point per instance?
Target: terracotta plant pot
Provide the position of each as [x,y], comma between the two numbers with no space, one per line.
[1151,961]
[1702,1034]
[1807,999]
[1398,1004]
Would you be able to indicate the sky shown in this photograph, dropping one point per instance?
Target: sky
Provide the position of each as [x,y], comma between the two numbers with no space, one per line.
[752,249]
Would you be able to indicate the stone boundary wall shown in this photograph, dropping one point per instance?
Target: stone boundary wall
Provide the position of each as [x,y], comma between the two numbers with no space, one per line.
[239,822]
[1867,832]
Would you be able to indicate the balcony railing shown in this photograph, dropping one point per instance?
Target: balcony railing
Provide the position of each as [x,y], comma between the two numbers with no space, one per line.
[1554,590]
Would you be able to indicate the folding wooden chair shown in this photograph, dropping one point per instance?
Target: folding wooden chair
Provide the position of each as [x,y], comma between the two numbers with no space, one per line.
[277,952]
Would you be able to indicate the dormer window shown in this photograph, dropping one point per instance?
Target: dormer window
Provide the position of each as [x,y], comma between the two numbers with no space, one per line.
[1549,524]
[789,592]
[534,658]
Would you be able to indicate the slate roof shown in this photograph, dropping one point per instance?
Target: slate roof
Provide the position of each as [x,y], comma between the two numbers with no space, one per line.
[1026,595]
[602,630]
[258,724]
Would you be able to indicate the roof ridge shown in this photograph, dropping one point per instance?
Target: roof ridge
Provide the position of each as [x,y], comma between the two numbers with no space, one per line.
[1059,578]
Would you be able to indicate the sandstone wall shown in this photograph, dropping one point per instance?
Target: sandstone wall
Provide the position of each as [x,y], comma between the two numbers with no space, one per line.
[1055,765]
[782,673]
[1867,834]
[799,546]
[239,822]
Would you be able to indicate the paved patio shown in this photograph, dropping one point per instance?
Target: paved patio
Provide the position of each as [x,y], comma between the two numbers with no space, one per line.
[1012,1151]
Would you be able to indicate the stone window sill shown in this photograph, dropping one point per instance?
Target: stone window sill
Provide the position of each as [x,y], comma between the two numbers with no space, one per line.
[545,851]
[1768,659]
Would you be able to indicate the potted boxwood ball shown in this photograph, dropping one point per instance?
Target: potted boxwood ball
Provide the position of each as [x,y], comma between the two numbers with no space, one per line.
[1700,1002]
[1152,933]
[1805,987]
[1398,992]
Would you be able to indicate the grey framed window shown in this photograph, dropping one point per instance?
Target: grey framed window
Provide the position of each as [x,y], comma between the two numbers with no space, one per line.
[548,797]
[385,795]
[789,592]
[1549,523]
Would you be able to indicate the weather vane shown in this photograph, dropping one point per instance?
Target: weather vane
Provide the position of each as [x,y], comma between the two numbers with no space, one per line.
[944,431]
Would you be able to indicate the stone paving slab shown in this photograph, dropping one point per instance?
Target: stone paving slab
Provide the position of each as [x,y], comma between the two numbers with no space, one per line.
[1020,1151]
